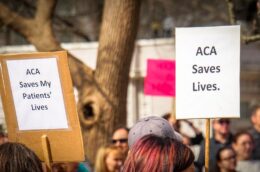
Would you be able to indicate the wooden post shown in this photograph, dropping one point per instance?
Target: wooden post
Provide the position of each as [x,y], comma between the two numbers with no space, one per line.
[46,152]
[174,108]
[207,145]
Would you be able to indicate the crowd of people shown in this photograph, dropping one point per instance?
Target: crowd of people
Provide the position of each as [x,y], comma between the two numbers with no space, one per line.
[155,144]
[238,152]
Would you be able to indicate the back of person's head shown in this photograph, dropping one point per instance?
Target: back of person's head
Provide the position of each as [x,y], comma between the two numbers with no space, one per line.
[66,167]
[2,137]
[103,157]
[152,125]
[153,153]
[16,157]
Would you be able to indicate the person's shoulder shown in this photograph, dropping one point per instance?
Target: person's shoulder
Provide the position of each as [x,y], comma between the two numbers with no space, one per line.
[253,131]
[213,140]
[253,165]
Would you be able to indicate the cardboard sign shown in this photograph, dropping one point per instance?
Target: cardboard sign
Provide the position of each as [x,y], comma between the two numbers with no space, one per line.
[208,72]
[38,99]
[160,79]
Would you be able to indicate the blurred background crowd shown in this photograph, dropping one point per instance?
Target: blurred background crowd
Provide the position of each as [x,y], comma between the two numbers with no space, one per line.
[76,24]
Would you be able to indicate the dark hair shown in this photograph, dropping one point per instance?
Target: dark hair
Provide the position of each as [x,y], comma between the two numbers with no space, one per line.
[16,157]
[122,127]
[153,153]
[177,124]
[240,133]
[166,116]
[218,156]
[2,134]
[254,109]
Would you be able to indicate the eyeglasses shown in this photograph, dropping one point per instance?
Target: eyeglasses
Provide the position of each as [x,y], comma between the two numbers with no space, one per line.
[229,158]
[114,141]
[223,121]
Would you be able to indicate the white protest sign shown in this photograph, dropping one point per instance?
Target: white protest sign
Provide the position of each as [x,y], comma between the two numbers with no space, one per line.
[37,94]
[208,72]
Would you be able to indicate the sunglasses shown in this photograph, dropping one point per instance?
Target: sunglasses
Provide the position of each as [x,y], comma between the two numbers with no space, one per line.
[223,121]
[114,141]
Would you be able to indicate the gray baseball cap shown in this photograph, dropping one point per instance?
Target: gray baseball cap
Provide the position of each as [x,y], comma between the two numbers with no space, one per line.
[152,125]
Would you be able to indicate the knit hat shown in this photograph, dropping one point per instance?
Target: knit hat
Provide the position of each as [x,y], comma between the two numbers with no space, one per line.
[152,125]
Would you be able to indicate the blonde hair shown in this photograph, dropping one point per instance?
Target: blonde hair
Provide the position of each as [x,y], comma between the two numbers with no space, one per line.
[103,152]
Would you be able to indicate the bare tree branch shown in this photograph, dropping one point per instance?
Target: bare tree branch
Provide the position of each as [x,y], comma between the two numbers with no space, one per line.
[58,20]
[14,20]
[80,72]
[45,10]
[249,39]
[245,38]
[231,14]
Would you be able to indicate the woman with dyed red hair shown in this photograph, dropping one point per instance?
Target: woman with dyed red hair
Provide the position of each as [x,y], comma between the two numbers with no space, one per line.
[157,154]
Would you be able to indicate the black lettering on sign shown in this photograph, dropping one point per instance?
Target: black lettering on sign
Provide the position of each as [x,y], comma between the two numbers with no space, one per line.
[197,86]
[33,71]
[45,84]
[39,107]
[206,51]
[205,69]
[28,84]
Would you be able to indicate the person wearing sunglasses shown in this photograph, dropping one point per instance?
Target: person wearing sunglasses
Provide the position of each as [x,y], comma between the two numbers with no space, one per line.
[221,137]
[120,139]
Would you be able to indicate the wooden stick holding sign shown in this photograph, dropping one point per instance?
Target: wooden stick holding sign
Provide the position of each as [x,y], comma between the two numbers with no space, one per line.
[207,145]
[46,152]
[174,109]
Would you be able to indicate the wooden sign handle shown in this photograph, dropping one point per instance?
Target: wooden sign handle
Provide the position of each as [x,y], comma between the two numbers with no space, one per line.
[46,152]
[207,145]
[174,108]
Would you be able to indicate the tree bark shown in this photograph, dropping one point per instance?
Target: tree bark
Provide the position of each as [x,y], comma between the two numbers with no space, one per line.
[107,101]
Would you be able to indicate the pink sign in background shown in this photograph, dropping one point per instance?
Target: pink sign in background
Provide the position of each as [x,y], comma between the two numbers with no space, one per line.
[160,78]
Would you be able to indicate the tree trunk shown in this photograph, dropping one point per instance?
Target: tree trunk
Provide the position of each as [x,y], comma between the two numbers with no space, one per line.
[102,107]
[102,95]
